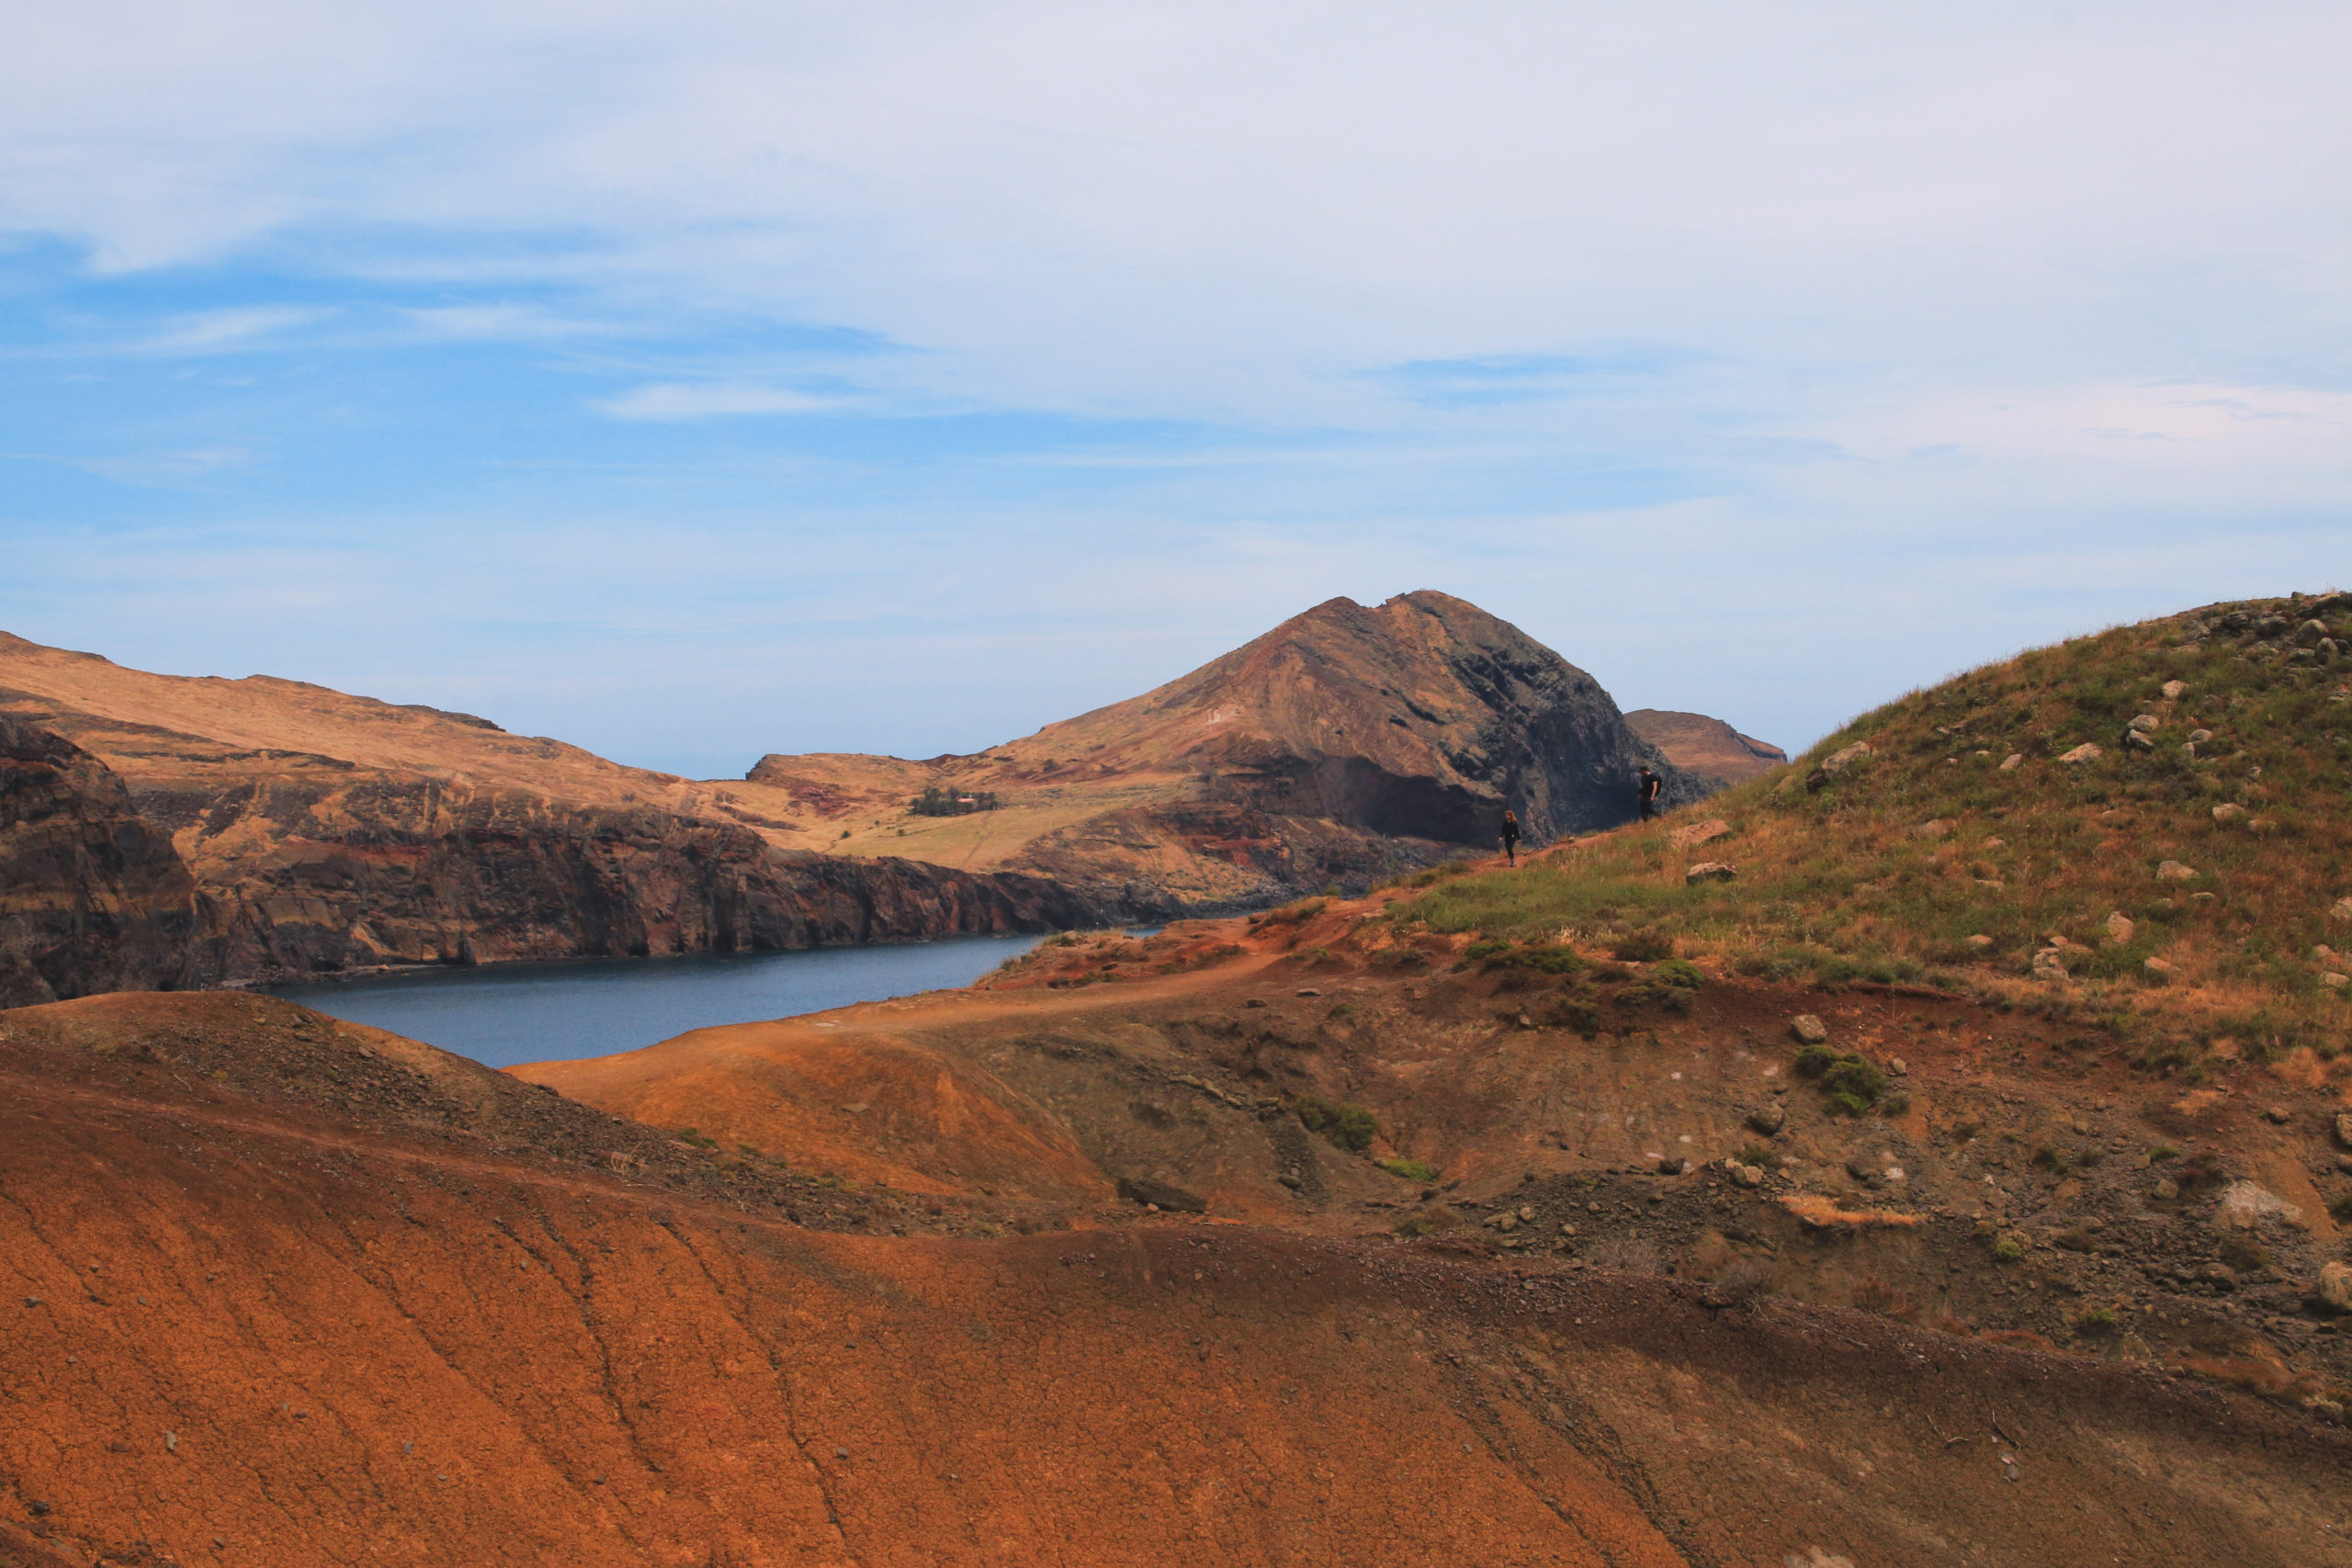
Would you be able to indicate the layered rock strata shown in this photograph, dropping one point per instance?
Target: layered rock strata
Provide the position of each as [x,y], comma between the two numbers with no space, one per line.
[92,898]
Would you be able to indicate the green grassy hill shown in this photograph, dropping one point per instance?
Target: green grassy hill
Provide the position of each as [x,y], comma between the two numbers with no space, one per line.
[2146,824]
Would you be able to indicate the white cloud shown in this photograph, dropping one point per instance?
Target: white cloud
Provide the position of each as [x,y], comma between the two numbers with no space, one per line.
[681,399]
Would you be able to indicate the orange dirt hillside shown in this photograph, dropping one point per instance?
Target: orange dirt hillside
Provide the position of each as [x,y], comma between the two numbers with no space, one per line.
[337,1326]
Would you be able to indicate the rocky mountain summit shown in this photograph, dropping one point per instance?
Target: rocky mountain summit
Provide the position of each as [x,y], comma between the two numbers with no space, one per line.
[1348,743]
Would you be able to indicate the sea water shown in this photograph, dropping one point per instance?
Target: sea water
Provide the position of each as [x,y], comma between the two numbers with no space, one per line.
[504,1013]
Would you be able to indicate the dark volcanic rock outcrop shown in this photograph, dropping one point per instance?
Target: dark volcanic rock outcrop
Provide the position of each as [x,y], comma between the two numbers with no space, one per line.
[92,898]
[1707,746]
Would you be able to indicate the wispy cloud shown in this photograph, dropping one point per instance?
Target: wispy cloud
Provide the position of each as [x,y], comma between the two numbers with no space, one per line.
[662,400]
[234,330]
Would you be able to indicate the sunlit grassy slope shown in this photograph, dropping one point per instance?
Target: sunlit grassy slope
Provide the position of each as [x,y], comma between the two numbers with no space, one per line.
[1927,857]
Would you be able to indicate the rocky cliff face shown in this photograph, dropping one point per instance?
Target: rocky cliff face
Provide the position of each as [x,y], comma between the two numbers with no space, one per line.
[92,898]
[420,836]
[316,875]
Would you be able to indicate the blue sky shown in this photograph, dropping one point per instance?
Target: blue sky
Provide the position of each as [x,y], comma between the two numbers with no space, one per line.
[695,381]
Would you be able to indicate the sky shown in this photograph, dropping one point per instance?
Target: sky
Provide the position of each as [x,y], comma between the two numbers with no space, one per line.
[691,381]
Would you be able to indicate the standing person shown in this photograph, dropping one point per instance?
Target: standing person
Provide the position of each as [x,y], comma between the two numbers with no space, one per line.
[1650,783]
[1510,836]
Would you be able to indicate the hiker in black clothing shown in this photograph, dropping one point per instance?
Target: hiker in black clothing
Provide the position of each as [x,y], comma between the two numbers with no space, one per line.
[1650,783]
[1510,836]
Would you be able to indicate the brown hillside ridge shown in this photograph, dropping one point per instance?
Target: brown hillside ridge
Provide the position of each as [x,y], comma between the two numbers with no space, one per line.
[92,898]
[286,1292]
[331,831]
[1707,746]
[1348,743]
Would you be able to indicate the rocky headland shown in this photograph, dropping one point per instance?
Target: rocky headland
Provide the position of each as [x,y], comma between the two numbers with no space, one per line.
[317,831]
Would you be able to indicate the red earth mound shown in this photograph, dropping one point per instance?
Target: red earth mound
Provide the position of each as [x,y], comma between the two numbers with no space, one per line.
[245,1328]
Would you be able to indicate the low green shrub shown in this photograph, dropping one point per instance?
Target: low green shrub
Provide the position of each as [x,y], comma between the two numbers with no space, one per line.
[1350,1127]
[1679,971]
[1855,1076]
[1814,1060]
[1410,1169]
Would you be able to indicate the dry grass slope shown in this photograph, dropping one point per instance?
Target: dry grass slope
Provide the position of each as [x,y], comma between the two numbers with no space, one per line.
[1986,834]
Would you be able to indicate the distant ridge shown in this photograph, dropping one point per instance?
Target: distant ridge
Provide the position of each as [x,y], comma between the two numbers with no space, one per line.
[1708,747]
[325,831]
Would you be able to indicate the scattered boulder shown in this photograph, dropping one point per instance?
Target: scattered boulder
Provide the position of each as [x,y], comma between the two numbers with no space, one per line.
[2228,811]
[2340,910]
[2309,633]
[2146,721]
[2173,689]
[1937,828]
[1710,871]
[1673,1166]
[1809,1030]
[2157,968]
[2336,981]
[1744,1175]
[2333,1292]
[1979,940]
[2343,1128]
[2245,1204]
[2119,927]
[2013,762]
[2165,1190]
[2137,740]
[1838,762]
[1701,832]
[2200,737]
[2049,965]
[1768,1120]
[2173,871]
[2086,752]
